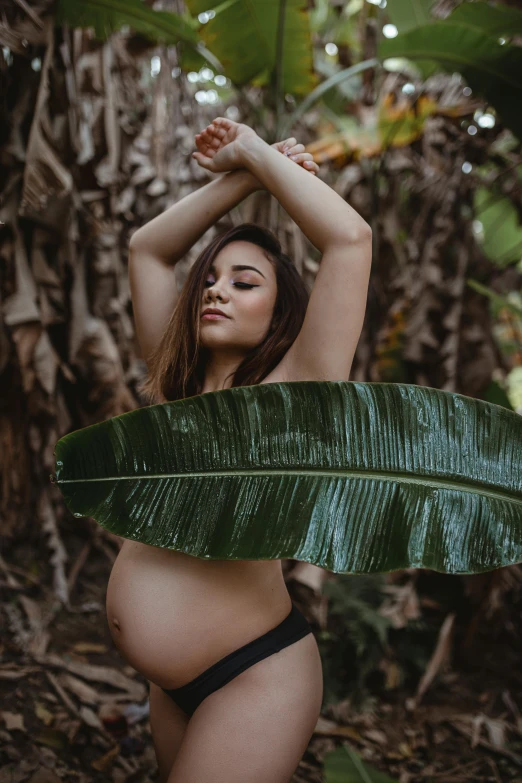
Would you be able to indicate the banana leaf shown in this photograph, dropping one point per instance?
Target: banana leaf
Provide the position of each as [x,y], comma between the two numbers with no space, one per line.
[108,16]
[165,27]
[353,477]
[490,69]
[243,35]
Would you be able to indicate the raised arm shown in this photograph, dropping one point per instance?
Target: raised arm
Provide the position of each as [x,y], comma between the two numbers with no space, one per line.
[170,235]
[325,346]
[323,216]
[155,248]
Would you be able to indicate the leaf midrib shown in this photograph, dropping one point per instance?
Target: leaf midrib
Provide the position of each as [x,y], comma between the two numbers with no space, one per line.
[426,481]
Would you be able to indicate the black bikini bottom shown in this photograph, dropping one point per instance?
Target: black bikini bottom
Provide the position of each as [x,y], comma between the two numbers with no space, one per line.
[190,696]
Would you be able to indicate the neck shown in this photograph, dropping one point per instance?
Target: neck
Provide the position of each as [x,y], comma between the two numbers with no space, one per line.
[216,371]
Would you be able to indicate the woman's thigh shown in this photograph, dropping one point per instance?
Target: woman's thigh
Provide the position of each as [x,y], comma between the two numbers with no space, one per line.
[257,727]
[168,724]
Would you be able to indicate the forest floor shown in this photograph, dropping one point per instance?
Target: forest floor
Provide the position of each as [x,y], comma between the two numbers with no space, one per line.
[73,710]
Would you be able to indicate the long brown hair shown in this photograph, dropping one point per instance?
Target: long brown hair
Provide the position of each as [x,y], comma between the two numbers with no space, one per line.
[177,364]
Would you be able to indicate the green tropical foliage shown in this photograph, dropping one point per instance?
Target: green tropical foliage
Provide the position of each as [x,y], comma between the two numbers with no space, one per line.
[499,223]
[244,36]
[344,765]
[468,42]
[353,649]
[109,16]
[238,38]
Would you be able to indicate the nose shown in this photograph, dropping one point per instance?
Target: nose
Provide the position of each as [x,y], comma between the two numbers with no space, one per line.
[213,294]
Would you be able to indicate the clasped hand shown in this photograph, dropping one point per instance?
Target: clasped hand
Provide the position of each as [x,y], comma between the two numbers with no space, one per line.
[220,146]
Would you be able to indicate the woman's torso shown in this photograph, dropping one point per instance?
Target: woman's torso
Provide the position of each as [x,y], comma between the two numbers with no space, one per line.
[172,615]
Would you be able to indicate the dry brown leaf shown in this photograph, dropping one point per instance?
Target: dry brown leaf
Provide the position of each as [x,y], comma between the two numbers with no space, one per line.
[376,735]
[45,775]
[88,647]
[402,605]
[331,728]
[9,672]
[107,674]
[439,657]
[90,718]
[81,690]
[495,728]
[13,720]
[43,714]
[104,761]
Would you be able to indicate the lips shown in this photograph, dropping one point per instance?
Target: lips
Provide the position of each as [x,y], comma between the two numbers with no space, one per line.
[214,311]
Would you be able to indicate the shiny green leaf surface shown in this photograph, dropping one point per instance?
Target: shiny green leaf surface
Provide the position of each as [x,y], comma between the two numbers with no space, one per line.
[243,35]
[353,477]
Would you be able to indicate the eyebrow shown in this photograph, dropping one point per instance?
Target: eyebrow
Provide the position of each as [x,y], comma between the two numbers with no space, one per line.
[239,267]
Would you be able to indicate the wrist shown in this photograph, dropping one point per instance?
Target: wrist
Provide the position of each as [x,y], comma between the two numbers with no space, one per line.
[248,182]
[252,183]
[249,148]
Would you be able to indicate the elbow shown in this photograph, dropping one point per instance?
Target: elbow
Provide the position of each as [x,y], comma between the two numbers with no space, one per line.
[367,231]
[361,233]
[133,241]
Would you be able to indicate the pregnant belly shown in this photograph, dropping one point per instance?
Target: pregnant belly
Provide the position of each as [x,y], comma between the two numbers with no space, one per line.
[172,615]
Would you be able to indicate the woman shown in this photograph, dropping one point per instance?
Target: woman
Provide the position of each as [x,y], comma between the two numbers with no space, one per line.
[234,669]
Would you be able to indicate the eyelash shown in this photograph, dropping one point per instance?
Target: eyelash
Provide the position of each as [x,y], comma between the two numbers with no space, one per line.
[247,285]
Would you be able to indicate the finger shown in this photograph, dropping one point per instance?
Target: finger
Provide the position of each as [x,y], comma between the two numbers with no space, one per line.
[225,129]
[214,143]
[218,132]
[221,123]
[295,149]
[291,149]
[210,130]
[287,143]
[202,160]
[283,146]
[299,157]
[209,135]
[204,139]
[306,160]
[215,136]
[201,143]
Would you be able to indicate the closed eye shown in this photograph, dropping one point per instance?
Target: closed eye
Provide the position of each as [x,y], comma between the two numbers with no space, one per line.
[242,285]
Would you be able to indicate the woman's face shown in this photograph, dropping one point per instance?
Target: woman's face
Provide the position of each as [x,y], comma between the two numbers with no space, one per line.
[246,296]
